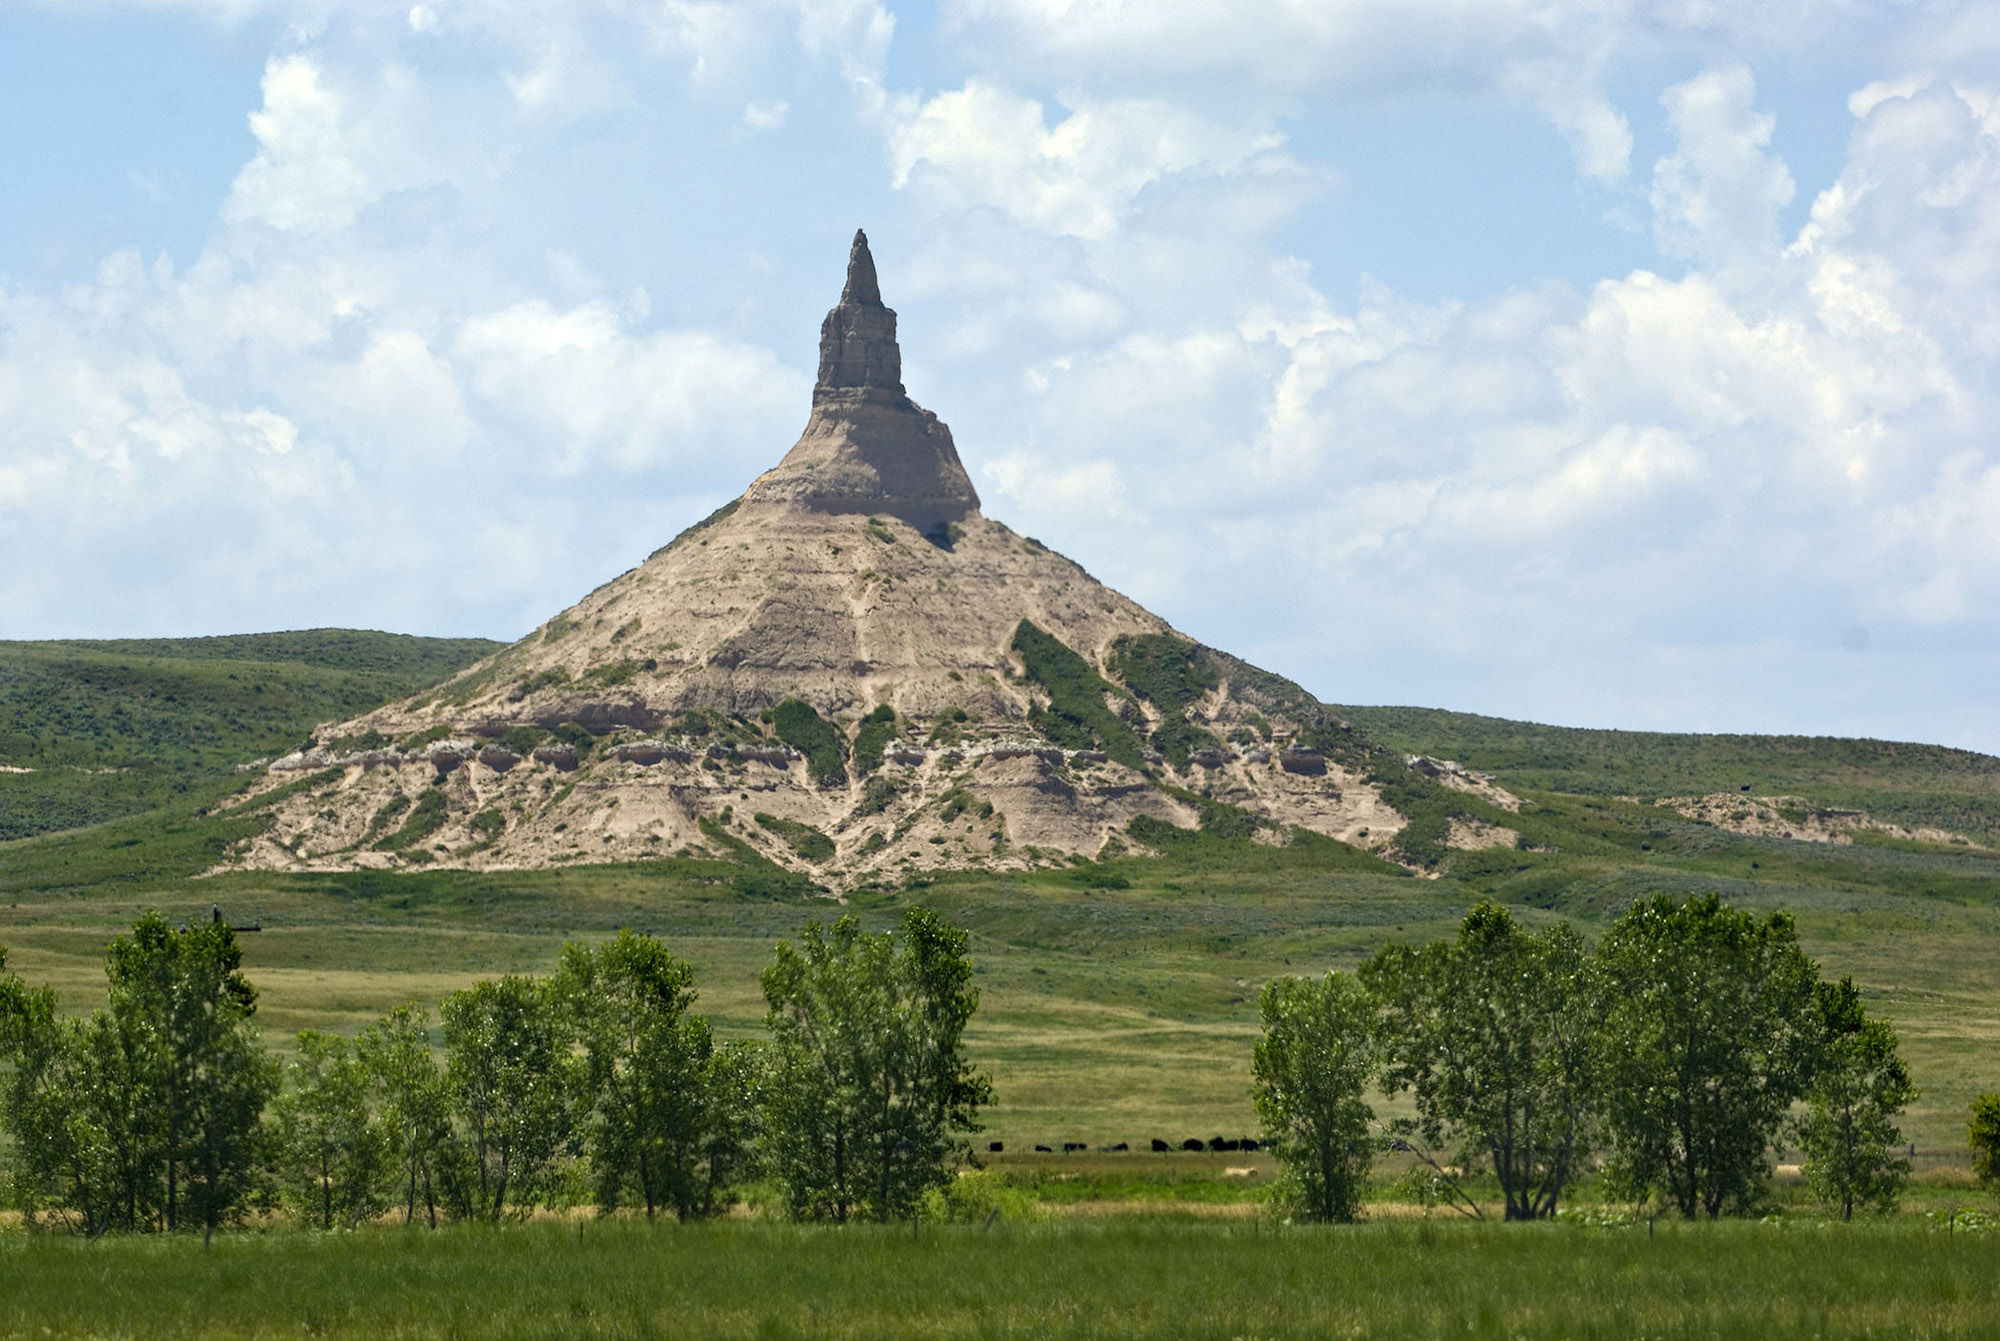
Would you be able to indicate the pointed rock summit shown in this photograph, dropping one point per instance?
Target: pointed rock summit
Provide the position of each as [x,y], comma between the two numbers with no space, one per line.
[868,447]
[847,671]
[857,341]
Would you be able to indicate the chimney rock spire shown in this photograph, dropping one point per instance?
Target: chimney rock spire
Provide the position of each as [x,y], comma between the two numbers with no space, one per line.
[867,446]
[861,286]
[857,341]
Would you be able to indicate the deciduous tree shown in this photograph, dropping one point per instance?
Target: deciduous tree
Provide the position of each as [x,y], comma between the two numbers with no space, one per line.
[868,1089]
[1313,1066]
[1706,1043]
[1985,1138]
[333,1155]
[1493,1033]
[1859,1085]
[513,1081]
[652,1110]
[415,1106]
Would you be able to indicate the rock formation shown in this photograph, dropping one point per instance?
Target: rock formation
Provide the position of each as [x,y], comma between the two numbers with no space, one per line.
[869,448]
[849,669]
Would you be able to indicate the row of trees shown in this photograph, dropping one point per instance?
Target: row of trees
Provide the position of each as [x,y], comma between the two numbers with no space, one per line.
[1680,1050]
[163,1110]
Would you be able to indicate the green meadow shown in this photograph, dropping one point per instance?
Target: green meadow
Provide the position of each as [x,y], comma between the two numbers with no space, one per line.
[1110,1278]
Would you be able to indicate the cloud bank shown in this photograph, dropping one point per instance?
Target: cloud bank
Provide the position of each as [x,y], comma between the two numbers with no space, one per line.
[509,292]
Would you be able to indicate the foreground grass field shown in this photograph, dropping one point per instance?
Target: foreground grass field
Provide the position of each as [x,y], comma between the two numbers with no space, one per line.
[1115,1279]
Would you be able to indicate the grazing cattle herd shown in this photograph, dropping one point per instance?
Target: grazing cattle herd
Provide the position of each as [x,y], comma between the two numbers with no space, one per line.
[1192,1145]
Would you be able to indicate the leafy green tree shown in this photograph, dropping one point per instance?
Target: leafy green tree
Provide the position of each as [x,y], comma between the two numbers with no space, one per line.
[1985,1137]
[1493,1033]
[1312,1068]
[415,1104]
[733,1090]
[513,1082]
[180,1011]
[333,1155]
[650,1108]
[868,1086]
[1706,1043]
[146,1115]
[1859,1085]
[84,1142]
[58,1158]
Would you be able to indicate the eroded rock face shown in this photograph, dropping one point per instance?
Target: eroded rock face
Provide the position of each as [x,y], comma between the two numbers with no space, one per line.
[858,578]
[857,341]
[867,447]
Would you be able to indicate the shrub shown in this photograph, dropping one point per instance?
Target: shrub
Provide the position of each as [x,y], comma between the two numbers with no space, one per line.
[803,839]
[814,737]
[876,797]
[540,680]
[391,808]
[1076,716]
[425,819]
[614,674]
[878,728]
[979,1197]
[430,735]
[524,738]
[575,735]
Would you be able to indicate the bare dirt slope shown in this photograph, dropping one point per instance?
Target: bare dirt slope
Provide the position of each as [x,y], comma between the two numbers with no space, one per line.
[851,670]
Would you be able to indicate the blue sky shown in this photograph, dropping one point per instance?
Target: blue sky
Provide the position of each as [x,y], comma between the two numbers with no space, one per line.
[1625,365]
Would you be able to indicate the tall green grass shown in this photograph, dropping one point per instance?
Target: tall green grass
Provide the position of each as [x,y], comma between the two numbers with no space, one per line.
[1115,1279]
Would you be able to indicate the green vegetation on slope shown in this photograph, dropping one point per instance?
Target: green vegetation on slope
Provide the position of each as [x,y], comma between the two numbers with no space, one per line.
[1119,994]
[878,728]
[1076,717]
[115,728]
[813,736]
[803,839]
[1171,674]
[1914,785]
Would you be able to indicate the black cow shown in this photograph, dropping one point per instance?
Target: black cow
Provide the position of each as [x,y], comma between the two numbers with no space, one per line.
[1160,1147]
[1194,1143]
[1250,1143]
[1120,1146]
[1043,1150]
[1071,1147]
[1217,1144]
[995,1147]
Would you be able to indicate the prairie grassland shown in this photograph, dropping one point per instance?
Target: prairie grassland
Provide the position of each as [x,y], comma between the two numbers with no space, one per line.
[1108,1014]
[1118,1278]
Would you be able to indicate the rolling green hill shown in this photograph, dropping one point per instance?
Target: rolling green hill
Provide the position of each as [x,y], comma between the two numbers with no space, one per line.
[115,728]
[1912,785]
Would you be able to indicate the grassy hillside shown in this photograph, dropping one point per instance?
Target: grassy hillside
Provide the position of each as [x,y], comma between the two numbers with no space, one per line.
[108,729]
[1913,785]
